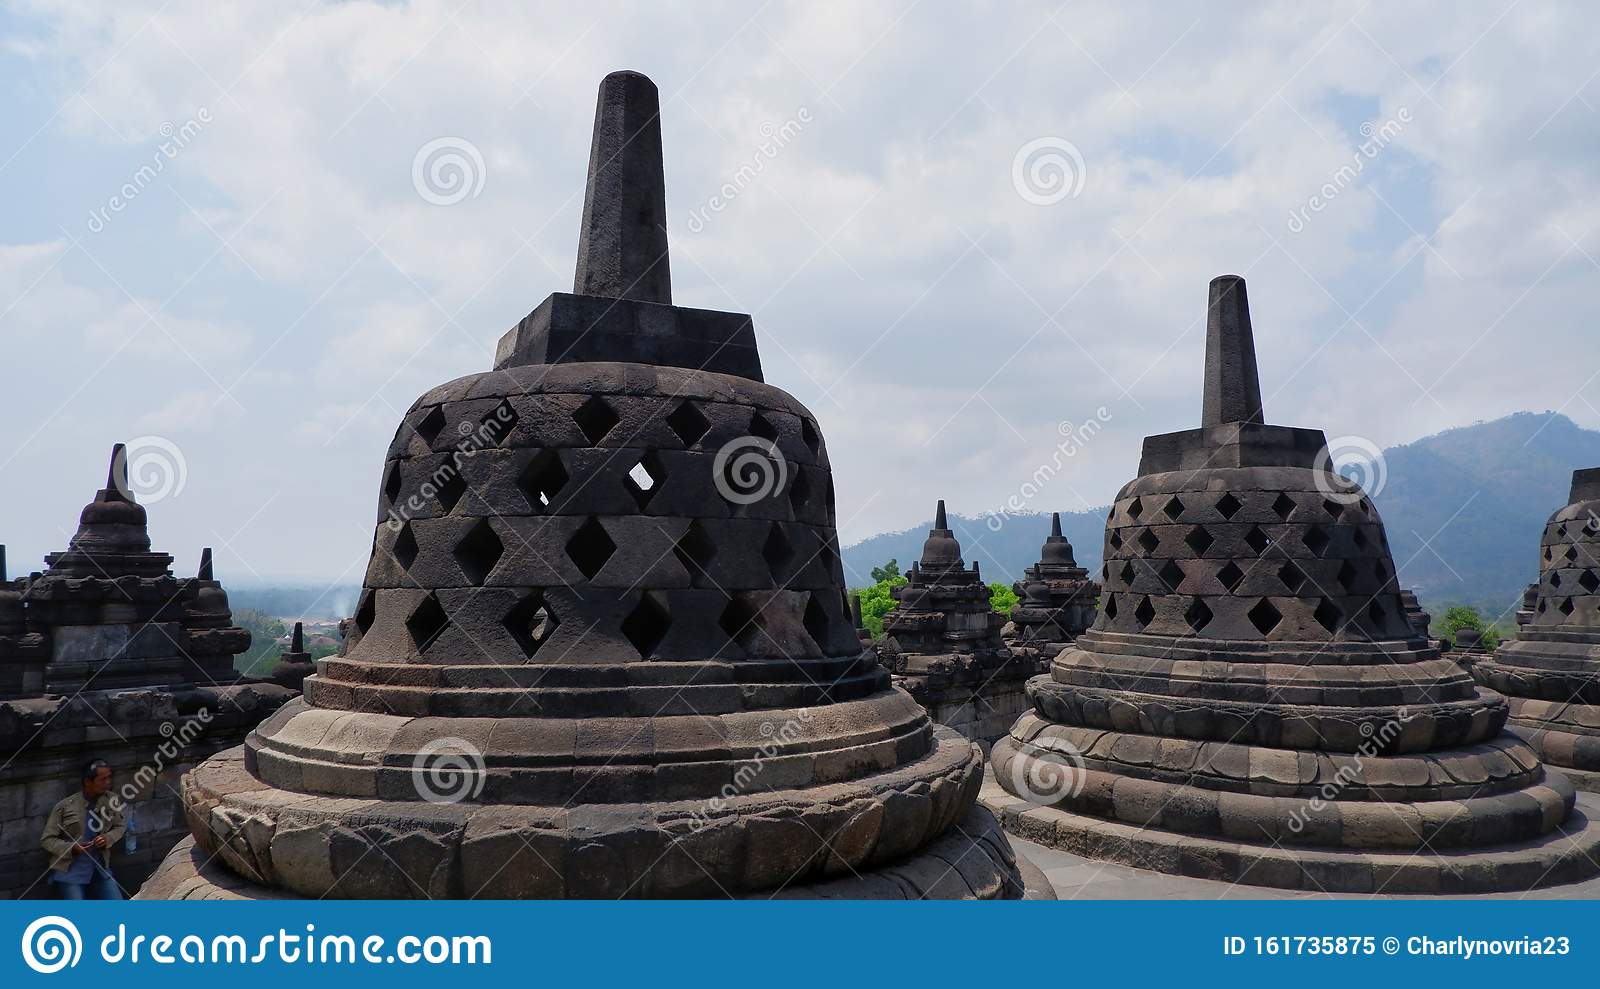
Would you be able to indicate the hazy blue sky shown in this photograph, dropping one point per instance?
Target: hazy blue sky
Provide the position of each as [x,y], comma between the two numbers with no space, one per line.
[215,239]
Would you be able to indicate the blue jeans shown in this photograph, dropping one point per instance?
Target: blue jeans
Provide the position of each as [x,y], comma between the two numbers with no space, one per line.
[101,887]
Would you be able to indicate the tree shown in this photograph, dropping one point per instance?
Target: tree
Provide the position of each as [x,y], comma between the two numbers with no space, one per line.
[889,571]
[265,631]
[1463,616]
[1002,598]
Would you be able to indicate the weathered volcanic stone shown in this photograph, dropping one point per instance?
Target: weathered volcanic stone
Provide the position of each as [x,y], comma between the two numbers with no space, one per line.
[942,642]
[1253,703]
[1055,601]
[603,648]
[295,664]
[107,655]
[1551,671]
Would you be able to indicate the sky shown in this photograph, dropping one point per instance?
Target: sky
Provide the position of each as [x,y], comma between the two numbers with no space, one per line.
[244,237]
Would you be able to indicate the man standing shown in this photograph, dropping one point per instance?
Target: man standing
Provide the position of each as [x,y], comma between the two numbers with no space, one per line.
[78,837]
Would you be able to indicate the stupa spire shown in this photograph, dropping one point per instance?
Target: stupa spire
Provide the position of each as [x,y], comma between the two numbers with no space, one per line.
[117,475]
[622,246]
[205,565]
[1055,525]
[297,639]
[1232,386]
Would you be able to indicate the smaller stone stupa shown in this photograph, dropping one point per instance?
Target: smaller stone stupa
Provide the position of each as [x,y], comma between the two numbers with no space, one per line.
[1550,673]
[942,642]
[1055,601]
[295,663]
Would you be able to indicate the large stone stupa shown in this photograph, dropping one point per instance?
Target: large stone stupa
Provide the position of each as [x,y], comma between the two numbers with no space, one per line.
[1551,671]
[1252,704]
[604,647]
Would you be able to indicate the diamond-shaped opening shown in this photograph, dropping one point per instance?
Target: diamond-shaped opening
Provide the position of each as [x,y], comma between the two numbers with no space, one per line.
[799,492]
[405,546]
[366,611]
[590,547]
[1228,505]
[430,425]
[816,622]
[1561,531]
[1591,527]
[1171,575]
[1128,573]
[1145,613]
[427,621]
[1565,607]
[1328,615]
[694,550]
[1283,506]
[1547,554]
[1116,539]
[1346,575]
[1366,507]
[596,418]
[689,423]
[1541,607]
[737,620]
[1572,553]
[531,622]
[1199,540]
[1358,537]
[1292,577]
[1381,571]
[543,479]
[647,625]
[1197,615]
[1555,578]
[1135,508]
[1148,541]
[644,478]
[759,426]
[391,483]
[1333,508]
[1588,581]
[1376,616]
[478,551]
[1230,575]
[1264,616]
[1111,606]
[777,551]
[448,485]
[1173,508]
[808,433]
[1257,540]
[1316,539]
[497,425]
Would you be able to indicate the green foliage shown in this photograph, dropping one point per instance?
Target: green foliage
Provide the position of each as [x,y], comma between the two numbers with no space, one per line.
[1002,598]
[1463,616]
[889,571]
[876,601]
[264,631]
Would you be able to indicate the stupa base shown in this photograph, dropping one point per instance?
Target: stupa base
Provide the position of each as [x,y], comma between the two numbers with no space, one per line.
[973,862]
[1569,854]
[1566,736]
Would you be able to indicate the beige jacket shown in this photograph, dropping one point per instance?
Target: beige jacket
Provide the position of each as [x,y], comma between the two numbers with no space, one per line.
[64,828]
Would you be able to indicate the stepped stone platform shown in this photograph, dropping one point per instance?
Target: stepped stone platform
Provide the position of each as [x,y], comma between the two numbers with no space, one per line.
[1253,702]
[603,648]
[1550,673]
[106,655]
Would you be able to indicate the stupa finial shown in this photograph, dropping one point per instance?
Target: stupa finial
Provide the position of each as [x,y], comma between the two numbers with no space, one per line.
[117,474]
[205,565]
[1055,525]
[297,641]
[1232,386]
[622,247]
[938,517]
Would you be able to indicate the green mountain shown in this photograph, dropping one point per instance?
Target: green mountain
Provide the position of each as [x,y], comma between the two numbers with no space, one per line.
[1463,508]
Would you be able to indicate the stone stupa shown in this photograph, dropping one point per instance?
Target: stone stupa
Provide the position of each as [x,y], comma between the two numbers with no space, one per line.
[1551,671]
[1252,704]
[942,642]
[1055,600]
[603,649]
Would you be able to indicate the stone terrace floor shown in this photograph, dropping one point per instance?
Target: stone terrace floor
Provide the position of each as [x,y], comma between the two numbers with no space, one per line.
[1078,878]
